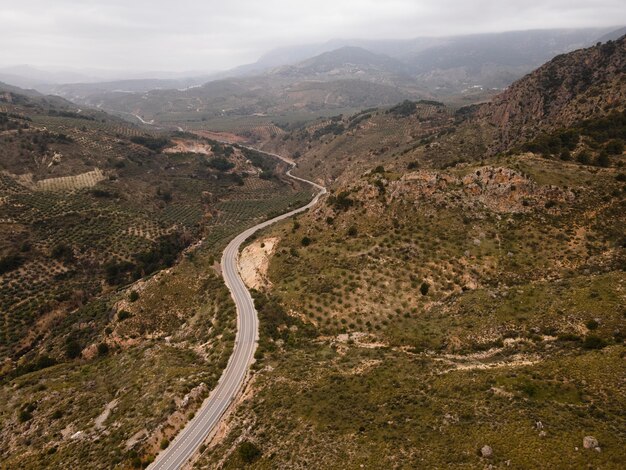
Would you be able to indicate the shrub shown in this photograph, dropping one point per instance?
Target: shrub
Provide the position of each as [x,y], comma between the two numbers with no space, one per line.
[24,415]
[594,342]
[352,231]
[134,296]
[103,349]
[603,159]
[341,201]
[72,349]
[164,443]
[63,252]
[592,324]
[123,315]
[155,144]
[220,164]
[406,108]
[306,241]
[249,452]
[424,288]
[584,157]
[615,147]
[10,263]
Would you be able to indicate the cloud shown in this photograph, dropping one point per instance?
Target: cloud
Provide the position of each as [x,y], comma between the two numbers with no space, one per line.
[212,35]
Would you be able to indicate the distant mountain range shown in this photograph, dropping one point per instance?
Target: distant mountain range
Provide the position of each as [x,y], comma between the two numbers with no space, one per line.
[334,76]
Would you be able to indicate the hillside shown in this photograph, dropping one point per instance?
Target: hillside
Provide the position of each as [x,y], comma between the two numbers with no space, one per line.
[447,305]
[291,87]
[115,321]
[577,114]
[349,62]
[566,90]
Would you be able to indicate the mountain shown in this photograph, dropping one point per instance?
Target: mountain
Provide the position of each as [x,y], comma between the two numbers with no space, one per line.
[343,77]
[348,62]
[447,305]
[566,90]
[561,96]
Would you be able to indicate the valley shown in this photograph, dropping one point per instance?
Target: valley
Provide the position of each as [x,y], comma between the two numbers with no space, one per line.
[360,254]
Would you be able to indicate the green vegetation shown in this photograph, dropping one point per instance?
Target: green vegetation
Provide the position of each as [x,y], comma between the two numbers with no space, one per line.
[76,338]
[603,137]
[221,164]
[156,144]
[452,315]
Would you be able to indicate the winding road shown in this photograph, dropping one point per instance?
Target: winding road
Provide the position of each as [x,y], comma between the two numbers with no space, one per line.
[208,416]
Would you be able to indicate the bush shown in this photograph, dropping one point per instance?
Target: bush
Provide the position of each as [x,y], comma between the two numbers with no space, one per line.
[10,263]
[584,157]
[123,315]
[424,288]
[103,349]
[603,159]
[63,252]
[220,164]
[306,241]
[24,415]
[155,144]
[594,342]
[134,296]
[341,201]
[352,231]
[72,349]
[615,147]
[249,452]
[406,108]
[592,324]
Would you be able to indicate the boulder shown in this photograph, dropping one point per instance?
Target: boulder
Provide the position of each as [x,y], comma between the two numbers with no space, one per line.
[486,451]
[590,442]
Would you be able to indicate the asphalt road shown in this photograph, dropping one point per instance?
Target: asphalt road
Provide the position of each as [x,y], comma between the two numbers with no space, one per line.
[182,448]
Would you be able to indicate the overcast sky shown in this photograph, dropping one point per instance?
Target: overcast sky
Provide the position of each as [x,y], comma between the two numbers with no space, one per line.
[213,35]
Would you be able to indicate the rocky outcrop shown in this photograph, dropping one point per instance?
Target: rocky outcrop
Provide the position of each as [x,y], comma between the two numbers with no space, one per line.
[571,87]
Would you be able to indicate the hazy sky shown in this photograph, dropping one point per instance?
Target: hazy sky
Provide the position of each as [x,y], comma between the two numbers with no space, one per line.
[211,35]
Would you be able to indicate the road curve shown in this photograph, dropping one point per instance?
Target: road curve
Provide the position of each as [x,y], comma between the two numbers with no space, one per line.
[196,431]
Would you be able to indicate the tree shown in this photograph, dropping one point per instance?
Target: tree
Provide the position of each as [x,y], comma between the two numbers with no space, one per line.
[424,288]
[103,349]
[306,241]
[615,147]
[72,349]
[584,157]
[603,159]
[249,452]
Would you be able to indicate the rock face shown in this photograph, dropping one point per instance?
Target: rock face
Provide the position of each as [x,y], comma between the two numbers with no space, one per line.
[590,442]
[571,87]
[486,451]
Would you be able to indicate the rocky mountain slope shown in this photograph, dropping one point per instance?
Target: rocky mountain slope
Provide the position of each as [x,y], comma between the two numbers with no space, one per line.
[447,305]
[566,90]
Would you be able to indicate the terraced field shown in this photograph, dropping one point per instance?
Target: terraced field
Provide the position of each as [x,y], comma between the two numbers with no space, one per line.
[422,315]
[107,258]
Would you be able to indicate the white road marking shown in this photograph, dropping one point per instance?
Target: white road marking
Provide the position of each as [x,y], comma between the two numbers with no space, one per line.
[182,448]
